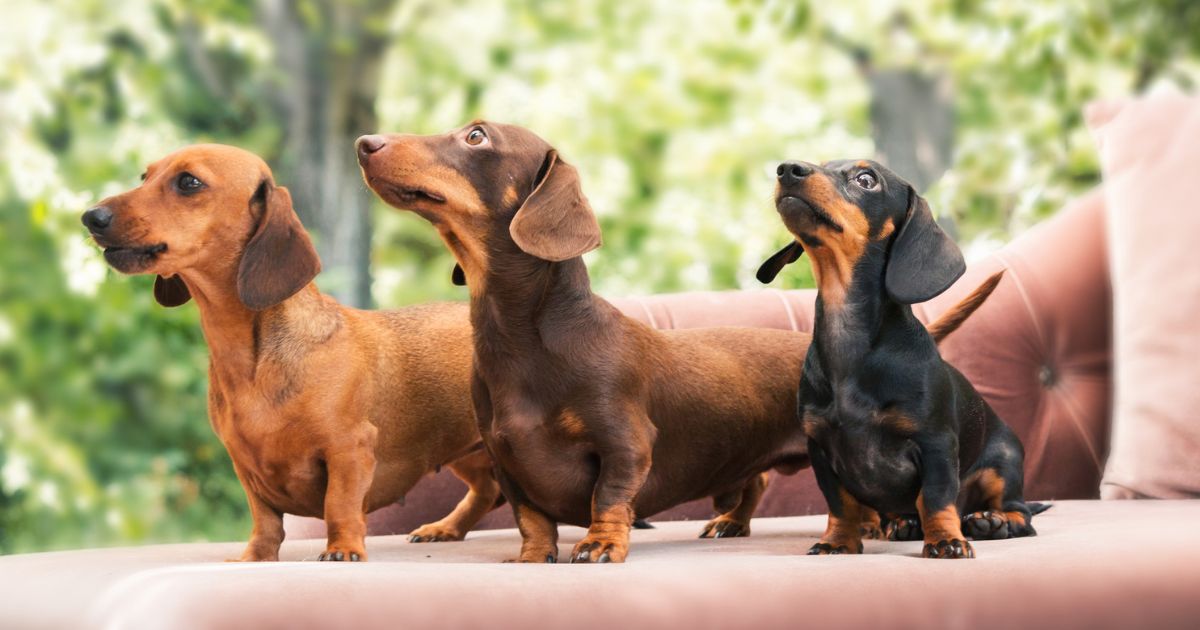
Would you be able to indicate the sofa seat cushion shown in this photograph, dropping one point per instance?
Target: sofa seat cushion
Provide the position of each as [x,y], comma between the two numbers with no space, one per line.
[1095,564]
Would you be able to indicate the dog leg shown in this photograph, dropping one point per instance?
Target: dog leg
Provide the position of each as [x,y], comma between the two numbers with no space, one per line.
[842,532]
[350,475]
[736,522]
[482,491]
[871,526]
[539,535]
[999,509]
[267,533]
[624,465]
[936,501]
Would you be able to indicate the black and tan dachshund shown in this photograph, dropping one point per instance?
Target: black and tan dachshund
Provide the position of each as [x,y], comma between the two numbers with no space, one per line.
[891,426]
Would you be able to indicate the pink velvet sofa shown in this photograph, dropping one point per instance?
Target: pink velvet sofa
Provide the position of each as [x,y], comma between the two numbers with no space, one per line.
[1039,351]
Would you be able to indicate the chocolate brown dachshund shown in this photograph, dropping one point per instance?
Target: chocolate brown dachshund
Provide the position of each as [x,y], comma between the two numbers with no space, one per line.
[593,418]
[326,411]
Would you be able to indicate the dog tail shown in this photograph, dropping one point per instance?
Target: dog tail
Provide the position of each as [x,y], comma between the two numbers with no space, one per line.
[953,318]
[1038,508]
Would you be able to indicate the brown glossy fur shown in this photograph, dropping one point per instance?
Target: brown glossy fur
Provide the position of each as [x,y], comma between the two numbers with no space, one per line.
[593,418]
[325,410]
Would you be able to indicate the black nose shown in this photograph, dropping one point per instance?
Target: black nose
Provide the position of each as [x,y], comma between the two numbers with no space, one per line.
[367,145]
[97,219]
[792,172]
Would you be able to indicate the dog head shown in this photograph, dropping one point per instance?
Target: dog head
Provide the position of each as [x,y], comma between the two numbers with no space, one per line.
[483,182]
[837,209]
[206,209]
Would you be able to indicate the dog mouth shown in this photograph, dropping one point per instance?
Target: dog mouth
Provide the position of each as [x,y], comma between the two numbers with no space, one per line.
[793,205]
[133,259]
[413,194]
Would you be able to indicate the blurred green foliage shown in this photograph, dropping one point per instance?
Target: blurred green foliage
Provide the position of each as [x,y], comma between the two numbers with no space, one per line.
[676,114]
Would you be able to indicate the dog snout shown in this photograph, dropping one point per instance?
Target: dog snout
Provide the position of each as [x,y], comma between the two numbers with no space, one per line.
[367,145]
[97,219]
[791,173]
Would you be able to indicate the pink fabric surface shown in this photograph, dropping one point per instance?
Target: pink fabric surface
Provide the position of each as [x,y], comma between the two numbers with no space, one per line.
[1094,565]
[1148,151]
[1038,351]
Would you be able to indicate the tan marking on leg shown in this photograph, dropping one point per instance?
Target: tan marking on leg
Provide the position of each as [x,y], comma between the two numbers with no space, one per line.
[539,535]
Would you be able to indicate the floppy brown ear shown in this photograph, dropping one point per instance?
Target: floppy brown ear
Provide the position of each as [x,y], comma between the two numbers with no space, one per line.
[171,291]
[279,259]
[923,261]
[556,222]
[458,277]
[780,259]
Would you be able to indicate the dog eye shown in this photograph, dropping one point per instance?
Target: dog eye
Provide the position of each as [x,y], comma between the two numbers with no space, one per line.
[865,180]
[187,183]
[476,137]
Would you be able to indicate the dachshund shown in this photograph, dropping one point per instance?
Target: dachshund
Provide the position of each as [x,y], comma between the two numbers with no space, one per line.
[593,418]
[891,426]
[325,410]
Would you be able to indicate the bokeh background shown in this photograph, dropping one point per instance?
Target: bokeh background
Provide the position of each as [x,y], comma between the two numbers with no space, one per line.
[675,112]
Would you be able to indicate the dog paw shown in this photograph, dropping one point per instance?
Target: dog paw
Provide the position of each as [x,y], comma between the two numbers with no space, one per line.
[535,556]
[722,527]
[343,553]
[903,528]
[870,531]
[600,549]
[434,532]
[834,549]
[948,549]
[986,525]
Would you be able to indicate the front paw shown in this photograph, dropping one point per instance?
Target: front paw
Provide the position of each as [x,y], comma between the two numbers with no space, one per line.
[725,527]
[601,549]
[951,548]
[537,555]
[343,553]
[835,549]
[434,532]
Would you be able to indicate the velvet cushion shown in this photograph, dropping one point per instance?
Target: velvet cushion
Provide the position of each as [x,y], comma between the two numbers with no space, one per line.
[1149,149]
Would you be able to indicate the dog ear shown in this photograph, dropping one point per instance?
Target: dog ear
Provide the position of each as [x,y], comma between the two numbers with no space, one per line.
[171,291]
[780,259]
[279,259]
[458,277]
[923,261]
[556,222]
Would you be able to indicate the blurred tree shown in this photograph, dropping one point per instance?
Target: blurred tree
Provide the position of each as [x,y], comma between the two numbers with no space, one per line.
[329,54]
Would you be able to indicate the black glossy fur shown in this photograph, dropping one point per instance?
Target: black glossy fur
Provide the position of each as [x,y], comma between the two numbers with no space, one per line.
[891,425]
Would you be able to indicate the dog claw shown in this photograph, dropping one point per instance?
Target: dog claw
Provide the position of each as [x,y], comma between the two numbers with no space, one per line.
[948,549]
[415,539]
[551,559]
[604,558]
[826,549]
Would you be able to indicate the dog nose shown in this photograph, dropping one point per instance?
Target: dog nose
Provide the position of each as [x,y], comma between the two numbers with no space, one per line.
[792,172]
[368,145]
[97,219]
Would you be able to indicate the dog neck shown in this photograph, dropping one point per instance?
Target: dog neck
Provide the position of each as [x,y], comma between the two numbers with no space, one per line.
[853,310]
[519,294]
[235,334]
